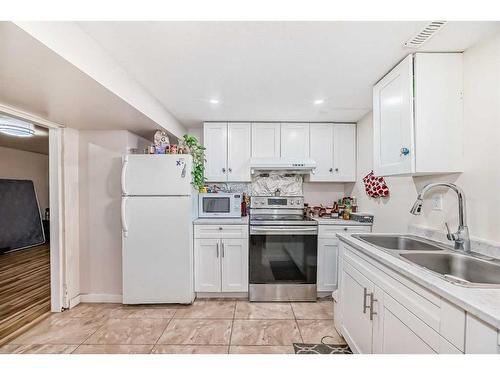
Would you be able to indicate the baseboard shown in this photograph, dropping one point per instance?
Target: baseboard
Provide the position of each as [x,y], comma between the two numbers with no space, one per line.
[74,301]
[100,298]
[222,295]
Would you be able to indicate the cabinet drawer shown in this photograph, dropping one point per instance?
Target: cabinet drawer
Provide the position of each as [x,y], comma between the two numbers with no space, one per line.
[330,231]
[221,231]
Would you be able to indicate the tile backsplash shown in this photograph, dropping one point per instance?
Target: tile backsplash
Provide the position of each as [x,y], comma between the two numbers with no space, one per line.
[314,193]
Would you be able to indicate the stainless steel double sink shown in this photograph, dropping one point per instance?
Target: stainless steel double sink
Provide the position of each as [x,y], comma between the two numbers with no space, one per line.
[470,270]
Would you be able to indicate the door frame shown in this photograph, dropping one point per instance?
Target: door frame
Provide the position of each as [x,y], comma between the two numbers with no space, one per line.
[56,203]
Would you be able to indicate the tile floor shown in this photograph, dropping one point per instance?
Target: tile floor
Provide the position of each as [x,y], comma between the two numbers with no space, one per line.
[207,326]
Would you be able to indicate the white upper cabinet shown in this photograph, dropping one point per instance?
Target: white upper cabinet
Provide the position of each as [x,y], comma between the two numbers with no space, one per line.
[227,151]
[322,151]
[294,140]
[215,142]
[238,151]
[266,140]
[418,116]
[333,147]
[344,152]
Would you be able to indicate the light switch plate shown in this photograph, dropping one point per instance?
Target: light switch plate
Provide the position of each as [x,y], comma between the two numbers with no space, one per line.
[437,202]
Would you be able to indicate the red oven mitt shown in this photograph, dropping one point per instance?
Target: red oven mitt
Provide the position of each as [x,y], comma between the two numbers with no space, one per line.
[375,187]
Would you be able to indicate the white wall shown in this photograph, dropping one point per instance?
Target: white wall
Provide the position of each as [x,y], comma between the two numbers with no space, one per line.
[325,193]
[480,179]
[18,164]
[100,154]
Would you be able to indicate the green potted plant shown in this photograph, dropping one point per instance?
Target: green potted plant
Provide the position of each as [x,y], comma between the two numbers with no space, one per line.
[197,151]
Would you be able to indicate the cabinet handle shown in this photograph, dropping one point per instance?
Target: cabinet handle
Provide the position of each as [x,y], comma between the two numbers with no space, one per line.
[404,151]
[230,170]
[336,169]
[222,249]
[372,313]
[365,295]
[217,250]
[223,170]
[331,170]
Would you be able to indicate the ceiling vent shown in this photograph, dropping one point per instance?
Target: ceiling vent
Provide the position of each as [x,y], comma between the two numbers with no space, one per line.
[425,34]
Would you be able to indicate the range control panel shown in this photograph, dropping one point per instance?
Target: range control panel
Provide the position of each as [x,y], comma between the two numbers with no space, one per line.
[277,202]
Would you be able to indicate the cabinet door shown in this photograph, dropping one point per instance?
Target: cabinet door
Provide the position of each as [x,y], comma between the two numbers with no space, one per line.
[207,269]
[393,121]
[266,140]
[344,152]
[327,264]
[321,137]
[238,151]
[354,296]
[234,254]
[401,332]
[294,140]
[215,142]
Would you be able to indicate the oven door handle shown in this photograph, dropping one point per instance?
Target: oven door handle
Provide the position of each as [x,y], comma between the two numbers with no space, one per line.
[271,230]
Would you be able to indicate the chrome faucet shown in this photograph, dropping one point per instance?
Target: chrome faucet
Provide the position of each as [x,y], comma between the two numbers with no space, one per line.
[461,237]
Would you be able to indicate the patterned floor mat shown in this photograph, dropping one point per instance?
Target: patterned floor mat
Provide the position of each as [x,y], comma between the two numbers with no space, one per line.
[321,349]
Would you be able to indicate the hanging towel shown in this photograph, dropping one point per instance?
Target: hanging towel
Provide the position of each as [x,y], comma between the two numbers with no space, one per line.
[375,187]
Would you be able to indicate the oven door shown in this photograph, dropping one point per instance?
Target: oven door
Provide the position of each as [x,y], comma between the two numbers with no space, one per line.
[283,254]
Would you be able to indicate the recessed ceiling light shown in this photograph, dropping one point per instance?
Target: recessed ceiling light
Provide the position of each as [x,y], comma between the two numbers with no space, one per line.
[214,101]
[319,101]
[15,127]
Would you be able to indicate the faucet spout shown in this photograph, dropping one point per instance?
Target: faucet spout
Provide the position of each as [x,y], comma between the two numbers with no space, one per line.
[461,237]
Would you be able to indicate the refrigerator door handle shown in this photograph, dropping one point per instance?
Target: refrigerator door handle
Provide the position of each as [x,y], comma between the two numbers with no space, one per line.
[124,173]
[183,173]
[124,218]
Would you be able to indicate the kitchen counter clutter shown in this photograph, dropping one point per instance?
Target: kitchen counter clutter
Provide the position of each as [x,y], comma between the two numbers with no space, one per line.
[406,308]
[331,221]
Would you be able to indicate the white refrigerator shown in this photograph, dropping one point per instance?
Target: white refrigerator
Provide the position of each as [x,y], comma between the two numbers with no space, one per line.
[157,210]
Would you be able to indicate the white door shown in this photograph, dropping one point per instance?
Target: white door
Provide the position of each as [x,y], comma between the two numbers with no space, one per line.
[266,140]
[157,255]
[321,136]
[344,152]
[238,152]
[393,140]
[156,175]
[234,265]
[294,140]
[207,265]
[355,296]
[328,249]
[215,142]
[401,332]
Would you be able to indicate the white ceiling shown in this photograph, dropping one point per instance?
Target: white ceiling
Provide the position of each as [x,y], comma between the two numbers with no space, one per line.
[268,70]
[35,79]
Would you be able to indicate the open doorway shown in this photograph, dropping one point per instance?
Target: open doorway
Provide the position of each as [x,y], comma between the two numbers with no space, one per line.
[25,269]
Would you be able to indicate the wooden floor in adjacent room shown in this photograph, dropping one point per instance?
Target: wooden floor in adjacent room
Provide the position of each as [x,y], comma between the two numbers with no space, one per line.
[24,288]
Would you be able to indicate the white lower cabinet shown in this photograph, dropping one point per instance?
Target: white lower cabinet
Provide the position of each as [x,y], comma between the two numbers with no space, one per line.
[356,295]
[221,263]
[328,250]
[207,265]
[328,253]
[383,312]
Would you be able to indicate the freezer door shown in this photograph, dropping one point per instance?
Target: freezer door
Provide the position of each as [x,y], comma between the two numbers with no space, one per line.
[156,175]
[157,250]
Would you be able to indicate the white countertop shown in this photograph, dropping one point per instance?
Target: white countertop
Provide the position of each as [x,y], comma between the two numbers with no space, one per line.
[481,302]
[221,221]
[330,221]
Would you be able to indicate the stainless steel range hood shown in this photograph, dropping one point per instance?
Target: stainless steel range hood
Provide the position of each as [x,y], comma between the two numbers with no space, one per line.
[290,165]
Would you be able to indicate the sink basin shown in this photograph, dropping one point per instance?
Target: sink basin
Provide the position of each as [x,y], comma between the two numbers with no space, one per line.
[398,242]
[461,269]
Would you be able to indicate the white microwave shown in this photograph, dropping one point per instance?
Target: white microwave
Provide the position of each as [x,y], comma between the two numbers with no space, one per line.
[219,205]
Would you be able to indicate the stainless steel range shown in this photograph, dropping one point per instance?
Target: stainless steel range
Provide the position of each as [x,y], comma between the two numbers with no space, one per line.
[283,250]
